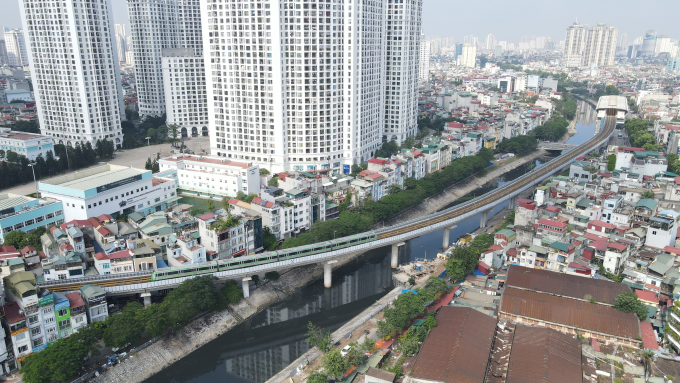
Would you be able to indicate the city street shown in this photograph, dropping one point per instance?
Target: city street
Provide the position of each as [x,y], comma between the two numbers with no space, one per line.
[134,158]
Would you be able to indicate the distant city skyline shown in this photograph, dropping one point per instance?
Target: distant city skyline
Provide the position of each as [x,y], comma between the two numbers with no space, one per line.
[507,21]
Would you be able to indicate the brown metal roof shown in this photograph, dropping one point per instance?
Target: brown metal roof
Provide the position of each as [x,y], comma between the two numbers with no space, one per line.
[543,355]
[564,284]
[570,312]
[458,348]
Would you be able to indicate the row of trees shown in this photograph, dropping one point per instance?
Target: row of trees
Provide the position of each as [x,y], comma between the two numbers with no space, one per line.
[553,129]
[15,169]
[409,306]
[639,135]
[464,259]
[20,239]
[517,144]
[362,218]
[62,360]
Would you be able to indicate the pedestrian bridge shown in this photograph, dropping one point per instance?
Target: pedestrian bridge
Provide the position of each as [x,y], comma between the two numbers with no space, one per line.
[395,236]
[556,146]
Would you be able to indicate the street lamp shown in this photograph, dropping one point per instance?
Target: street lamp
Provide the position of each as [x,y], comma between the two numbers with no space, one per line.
[147,145]
[34,181]
[334,231]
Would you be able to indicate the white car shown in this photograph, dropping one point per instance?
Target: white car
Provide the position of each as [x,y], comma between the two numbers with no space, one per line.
[345,350]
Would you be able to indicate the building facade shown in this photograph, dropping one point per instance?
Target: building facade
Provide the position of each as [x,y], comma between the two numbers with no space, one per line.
[155,26]
[23,213]
[424,72]
[600,46]
[109,189]
[186,105]
[15,46]
[75,72]
[573,45]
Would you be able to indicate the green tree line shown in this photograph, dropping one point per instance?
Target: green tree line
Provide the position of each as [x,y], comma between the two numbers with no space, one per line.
[639,135]
[360,219]
[519,144]
[15,169]
[464,259]
[62,360]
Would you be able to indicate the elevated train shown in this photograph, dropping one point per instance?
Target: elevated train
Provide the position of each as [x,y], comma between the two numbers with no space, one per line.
[340,243]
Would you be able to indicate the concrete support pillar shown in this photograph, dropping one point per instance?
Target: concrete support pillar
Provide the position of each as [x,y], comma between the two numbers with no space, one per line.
[327,280]
[511,204]
[447,232]
[484,219]
[245,283]
[147,298]
[395,254]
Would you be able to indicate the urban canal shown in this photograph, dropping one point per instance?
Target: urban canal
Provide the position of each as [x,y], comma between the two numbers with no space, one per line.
[260,347]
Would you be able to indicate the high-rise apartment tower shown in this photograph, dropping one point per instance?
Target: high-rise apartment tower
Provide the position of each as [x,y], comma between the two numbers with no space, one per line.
[74,68]
[16,48]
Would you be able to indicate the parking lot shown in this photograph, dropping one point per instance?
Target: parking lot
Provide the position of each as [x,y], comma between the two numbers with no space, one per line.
[134,158]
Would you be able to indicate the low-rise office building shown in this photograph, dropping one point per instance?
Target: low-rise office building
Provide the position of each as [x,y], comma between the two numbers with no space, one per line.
[23,213]
[109,189]
[212,176]
[30,145]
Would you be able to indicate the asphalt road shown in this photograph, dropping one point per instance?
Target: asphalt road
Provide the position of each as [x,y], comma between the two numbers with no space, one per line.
[134,158]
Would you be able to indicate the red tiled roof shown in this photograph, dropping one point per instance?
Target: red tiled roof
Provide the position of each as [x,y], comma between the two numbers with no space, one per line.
[672,250]
[617,246]
[648,337]
[599,223]
[8,249]
[548,222]
[648,296]
[12,313]
[553,209]
[207,216]
[378,161]
[101,256]
[75,300]
[27,249]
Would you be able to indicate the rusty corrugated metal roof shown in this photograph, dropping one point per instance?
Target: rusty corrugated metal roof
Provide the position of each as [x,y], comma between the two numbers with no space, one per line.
[458,348]
[543,355]
[565,285]
[570,312]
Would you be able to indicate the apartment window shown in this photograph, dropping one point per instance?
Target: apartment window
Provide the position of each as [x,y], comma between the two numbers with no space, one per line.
[49,320]
[63,312]
[37,342]
[32,319]
[22,348]
[21,336]
[35,331]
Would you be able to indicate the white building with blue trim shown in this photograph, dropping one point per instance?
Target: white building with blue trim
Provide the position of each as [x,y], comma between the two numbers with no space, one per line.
[30,145]
[110,189]
[23,213]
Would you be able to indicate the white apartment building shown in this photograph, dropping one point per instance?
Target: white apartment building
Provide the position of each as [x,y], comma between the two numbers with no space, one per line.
[467,58]
[109,189]
[185,93]
[4,60]
[573,45]
[157,25]
[15,45]
[301,86]
[121,42]
[402,69]
[424,72]
[600,46]
[30,145]
[74,68]
[211,176]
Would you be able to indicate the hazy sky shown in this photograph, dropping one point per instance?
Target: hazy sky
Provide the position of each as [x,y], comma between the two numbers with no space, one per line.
[508,20]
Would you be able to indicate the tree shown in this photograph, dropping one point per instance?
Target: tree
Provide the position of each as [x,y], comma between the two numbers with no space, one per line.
[316,337]
[15,238]
[264,171]
[334,364]
[393,189]
[317,377]
[409,342]
[255,278]
[274,181]
[148,164]
[59,362]
[611,90]
[411,281]
[629,303]
[211,205]
[367,345]
[647,194]
[120,329]
[611,162]
[232,292]
[226,205]
[355,356]
[174,131]
[269,239]
[408,143]
[389,148]
[455,269]
[155,167]
[430,321]
[272,275]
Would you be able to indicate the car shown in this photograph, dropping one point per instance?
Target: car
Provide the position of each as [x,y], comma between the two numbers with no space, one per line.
[345,350]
